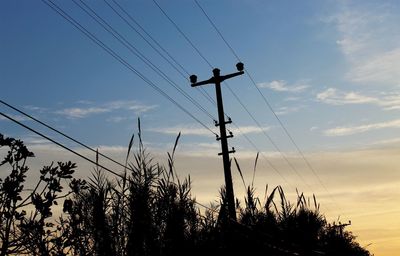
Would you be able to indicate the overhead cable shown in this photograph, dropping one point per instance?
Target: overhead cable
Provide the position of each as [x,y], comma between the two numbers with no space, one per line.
[106,48]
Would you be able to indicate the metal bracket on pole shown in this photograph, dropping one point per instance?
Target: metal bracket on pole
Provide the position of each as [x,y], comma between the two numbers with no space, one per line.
[227,136]
[226,122]
[230,151]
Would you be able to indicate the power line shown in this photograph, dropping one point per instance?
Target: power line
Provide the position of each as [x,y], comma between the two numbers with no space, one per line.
[94,39]
[183,34]
[216,29]
[266,101]
[64,135]
[61,145]
[65,147]
[148,34]
[105,25]
[292,140]
[234,94]
[262,154]
[269,138]
[130,17]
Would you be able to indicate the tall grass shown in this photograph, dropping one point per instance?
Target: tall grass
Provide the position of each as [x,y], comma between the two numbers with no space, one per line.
[150,210]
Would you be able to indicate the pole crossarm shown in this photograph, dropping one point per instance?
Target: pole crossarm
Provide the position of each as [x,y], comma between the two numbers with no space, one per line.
[217,79]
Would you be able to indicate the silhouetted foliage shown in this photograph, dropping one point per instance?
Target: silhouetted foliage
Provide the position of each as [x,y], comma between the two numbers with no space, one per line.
[151,211]
[34,233]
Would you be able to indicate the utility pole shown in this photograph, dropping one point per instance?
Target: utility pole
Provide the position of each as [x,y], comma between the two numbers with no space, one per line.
[217,79]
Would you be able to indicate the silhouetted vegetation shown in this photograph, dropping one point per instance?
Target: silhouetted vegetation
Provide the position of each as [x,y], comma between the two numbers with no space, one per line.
[150,211]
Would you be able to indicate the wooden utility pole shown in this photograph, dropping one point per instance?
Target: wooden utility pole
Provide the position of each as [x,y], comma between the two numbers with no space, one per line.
[217,79]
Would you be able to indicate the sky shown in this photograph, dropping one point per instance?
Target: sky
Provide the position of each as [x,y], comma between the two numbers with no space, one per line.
[330,70]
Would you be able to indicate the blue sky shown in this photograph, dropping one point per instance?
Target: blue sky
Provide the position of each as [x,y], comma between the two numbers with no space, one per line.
[329,69]
[301,56]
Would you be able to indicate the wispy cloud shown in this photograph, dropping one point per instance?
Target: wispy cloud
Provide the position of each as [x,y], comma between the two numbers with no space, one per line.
[112,148]
[246,129]
[184,129]
[35,140]
[81,112]
[118,119]
[36,108]
[89,109]
[211,150]
[394,141]
[368,38]
[282,86]
[199,149]
[291,98]
[334,96]
[16,117]
[287,110]
[130,105]
[383,68]
[349,130]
